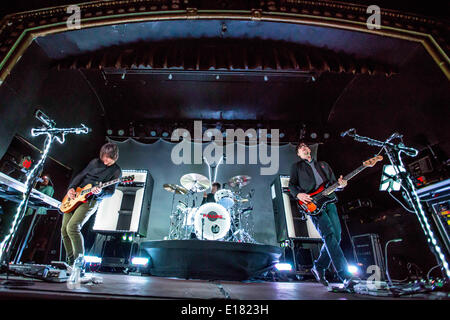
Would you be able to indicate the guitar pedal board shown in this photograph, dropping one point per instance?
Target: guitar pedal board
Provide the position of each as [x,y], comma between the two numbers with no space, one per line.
[39,271]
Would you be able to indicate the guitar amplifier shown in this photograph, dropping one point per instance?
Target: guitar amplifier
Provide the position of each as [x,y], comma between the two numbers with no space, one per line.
[128,210]
[288,223]
[368,253]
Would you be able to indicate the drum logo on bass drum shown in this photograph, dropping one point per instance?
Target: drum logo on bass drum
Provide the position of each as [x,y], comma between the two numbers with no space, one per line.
[213,216]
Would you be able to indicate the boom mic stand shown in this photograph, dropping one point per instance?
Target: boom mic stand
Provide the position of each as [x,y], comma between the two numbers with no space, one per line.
[51,133]
[394,151]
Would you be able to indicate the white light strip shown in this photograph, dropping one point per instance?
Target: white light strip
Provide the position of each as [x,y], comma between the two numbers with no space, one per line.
[209,172]
[217,169]
[19,208]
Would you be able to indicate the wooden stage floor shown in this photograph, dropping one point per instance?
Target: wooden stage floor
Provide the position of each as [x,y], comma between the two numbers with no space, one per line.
[124,287]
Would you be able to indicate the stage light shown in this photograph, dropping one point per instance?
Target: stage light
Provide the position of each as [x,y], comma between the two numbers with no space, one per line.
[281,134]
[124,237]
[313,135]
[153,133]
[109,132]
[165,134]
[283,266]
[389,179]
[326,135]
[353,269]
[139,261]
[121,132]
[130,238]
[92,259]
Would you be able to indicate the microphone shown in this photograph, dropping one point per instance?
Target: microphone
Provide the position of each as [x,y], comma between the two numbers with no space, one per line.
[41,116]
[348,132]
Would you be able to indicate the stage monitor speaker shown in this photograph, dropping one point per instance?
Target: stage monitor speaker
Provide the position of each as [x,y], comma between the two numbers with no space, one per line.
[368,253]
[288,223]
[128,210]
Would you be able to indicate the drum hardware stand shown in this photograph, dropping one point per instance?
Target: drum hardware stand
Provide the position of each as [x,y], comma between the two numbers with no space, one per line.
[52,133]
[393,152]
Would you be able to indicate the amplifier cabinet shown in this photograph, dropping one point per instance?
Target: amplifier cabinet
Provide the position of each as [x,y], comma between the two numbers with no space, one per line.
[128,210]
[288,223]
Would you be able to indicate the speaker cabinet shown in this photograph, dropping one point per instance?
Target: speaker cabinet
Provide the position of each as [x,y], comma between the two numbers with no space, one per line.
[288,223]
[128,210]
[368,253]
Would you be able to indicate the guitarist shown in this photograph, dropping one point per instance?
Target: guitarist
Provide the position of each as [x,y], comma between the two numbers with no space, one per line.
[306,176]
[101,169]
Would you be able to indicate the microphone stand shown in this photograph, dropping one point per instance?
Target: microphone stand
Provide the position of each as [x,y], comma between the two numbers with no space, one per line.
[51,133]
[394,151]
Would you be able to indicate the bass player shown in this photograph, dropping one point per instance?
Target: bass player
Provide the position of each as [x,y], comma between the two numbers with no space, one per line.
[99,169]
[306,176]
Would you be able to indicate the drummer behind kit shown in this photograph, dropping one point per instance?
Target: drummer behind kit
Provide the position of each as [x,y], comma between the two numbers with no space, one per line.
[226,219]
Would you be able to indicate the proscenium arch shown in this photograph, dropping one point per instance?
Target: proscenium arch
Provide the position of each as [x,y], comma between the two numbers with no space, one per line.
[22,42]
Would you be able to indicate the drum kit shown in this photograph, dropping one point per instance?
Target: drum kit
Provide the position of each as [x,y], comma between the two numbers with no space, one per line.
[228,218]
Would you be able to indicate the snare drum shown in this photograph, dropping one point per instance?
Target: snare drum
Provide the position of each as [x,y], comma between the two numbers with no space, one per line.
[225,198]
[212,221]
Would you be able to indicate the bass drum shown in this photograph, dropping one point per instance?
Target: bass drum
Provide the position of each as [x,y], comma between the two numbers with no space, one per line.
[212,221]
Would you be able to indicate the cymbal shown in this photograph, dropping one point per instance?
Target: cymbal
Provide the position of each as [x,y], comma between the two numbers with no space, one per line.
[239,181]
[175,188]
[195,182]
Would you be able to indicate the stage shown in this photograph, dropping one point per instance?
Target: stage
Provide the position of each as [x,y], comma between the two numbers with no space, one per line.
[128,287]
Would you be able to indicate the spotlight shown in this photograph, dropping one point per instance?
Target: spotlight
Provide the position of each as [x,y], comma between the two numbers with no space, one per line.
[121,132]
[313,135]
[353,269]
[109,132]
[139,261]
[92,259]
[165,134]
[153,133]
[283,266]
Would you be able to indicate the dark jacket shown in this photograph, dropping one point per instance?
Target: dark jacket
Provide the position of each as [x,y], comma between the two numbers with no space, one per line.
[302,177]
[96,172]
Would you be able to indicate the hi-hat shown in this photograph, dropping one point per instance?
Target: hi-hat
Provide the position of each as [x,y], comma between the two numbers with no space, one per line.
[175,188]
[195,182]
[239,181]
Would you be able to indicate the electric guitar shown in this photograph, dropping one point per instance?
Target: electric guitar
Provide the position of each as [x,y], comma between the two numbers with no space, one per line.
[82,194]
[323,196]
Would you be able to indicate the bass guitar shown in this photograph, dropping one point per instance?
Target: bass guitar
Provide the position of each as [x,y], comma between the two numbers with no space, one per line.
[82,194]
[325,195]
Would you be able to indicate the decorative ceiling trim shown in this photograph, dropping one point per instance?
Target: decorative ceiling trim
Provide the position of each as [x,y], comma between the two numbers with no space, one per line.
[226,55]
[17,31]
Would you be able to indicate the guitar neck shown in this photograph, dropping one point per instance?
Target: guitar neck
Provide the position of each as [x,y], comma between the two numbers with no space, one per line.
[349,176]
[106,184]
[102,185]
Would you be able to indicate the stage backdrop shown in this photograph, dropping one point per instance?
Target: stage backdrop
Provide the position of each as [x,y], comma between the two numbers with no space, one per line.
[156,157]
